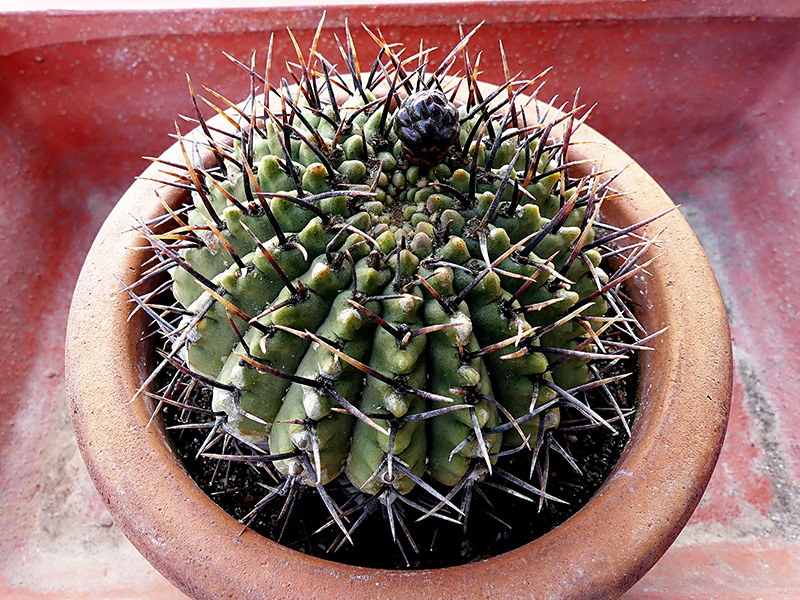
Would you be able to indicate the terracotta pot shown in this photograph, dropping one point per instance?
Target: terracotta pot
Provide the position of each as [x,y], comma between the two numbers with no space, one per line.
[684,396]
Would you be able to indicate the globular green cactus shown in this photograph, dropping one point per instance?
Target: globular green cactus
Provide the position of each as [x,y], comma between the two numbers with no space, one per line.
[394,276]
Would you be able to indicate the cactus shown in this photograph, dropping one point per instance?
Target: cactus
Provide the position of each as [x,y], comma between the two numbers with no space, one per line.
[378,284]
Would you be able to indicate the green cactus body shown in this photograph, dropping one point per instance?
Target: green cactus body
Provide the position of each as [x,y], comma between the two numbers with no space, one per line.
[415,227]
[390,286]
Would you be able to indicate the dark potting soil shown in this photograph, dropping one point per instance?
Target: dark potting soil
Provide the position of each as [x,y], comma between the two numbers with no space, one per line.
[497,520]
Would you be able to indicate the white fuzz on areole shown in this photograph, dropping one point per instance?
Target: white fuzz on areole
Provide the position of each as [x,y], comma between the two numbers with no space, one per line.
[463,328]
[407,304]
[329,366]
[349,317]
[314,405]
[321,270]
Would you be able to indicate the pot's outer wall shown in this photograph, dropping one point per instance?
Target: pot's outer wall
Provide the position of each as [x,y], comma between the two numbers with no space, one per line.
[600,552]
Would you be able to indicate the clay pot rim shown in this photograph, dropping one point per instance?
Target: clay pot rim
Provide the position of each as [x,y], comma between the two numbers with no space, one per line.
[684,393]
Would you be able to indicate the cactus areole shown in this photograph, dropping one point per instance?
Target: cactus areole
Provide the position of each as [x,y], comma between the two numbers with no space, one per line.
[388,287]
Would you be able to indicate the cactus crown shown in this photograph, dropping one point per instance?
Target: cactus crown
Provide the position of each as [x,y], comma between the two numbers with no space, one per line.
[427,126]
[386,293]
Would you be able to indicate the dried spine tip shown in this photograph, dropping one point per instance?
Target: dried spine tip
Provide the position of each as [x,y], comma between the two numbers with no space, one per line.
[400,288]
